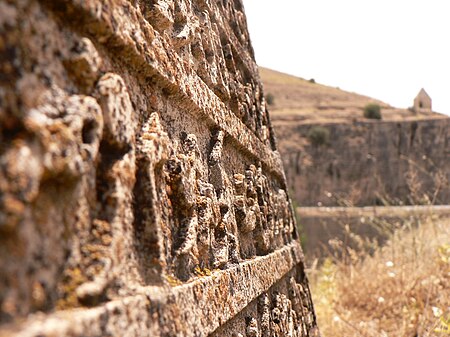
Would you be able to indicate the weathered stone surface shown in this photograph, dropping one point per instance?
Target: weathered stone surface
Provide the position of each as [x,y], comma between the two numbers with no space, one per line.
[141,190]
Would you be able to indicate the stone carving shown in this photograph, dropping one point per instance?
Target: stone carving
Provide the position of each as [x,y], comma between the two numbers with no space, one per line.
[84,64]
[284,310]
[140,191]
[64,144]
[252,327]
[206,210]
[117,111]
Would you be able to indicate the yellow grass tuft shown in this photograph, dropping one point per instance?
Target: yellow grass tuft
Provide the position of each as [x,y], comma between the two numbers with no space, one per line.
[401,289]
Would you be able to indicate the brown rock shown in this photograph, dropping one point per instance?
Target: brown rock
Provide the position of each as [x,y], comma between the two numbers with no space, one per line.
[140,190]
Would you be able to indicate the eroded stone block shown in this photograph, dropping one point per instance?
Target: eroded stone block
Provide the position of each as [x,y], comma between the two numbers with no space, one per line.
[140,191]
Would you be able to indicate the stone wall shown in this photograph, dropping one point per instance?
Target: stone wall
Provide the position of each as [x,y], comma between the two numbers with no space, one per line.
[141,190]
[368,162]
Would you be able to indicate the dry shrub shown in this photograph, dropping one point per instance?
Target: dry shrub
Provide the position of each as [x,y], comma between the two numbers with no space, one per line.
[372,111]
[319,135]
[401,289]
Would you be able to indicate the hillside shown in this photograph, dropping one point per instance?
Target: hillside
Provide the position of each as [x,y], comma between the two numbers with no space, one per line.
[401,160]
[298,99]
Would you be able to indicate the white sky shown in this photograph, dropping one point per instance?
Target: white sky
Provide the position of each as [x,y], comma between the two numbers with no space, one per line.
[386,49]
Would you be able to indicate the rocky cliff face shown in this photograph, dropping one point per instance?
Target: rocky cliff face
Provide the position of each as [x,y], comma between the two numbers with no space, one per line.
[141,190]
[367,162]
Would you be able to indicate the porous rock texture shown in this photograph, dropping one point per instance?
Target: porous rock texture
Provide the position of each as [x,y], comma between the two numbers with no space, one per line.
[141,190]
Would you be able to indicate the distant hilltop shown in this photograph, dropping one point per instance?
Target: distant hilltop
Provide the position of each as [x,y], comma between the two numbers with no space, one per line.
[295,98]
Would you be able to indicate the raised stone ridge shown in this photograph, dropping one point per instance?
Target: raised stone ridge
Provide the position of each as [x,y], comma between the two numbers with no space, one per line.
[141,190]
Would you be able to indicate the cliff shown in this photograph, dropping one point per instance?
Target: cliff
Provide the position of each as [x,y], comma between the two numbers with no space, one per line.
[141,190]
[369,163]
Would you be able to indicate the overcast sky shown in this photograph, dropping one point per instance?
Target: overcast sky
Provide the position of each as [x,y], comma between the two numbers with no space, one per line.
[386,49]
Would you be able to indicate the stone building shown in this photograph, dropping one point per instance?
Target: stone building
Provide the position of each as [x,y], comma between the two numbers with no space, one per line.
[422,102]
[141,191]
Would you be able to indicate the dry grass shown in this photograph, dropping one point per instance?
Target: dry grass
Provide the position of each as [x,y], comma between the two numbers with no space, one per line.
[403,289]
